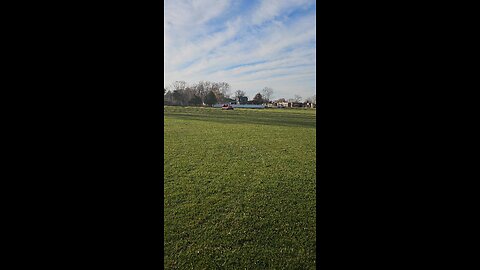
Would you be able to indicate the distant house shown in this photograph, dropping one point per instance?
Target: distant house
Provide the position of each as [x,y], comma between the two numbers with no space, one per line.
[281,104]
[269,104]
[229,100]
[242,100]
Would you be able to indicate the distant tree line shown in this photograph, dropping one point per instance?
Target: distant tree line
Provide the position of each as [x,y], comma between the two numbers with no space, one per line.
[201,93]
[210,93]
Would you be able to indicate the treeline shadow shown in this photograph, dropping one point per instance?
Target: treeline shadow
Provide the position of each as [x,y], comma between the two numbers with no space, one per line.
[248,117]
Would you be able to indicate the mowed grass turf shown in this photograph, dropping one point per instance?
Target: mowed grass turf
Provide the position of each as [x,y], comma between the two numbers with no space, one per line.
[239,188]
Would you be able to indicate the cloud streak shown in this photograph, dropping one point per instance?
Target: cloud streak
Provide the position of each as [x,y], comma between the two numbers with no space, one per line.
[249,44]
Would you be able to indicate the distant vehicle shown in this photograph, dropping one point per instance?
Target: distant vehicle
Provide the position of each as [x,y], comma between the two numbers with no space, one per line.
[227,107]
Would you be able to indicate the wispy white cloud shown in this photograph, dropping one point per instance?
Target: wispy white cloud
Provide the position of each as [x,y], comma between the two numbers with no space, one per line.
[249,44]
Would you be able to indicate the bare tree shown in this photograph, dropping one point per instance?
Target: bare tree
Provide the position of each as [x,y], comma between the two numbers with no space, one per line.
[225,89]
[312,99]
[297,98]
[215,87]
[181,93]
[179,85]
[200,91]
[267,93]
[238,94]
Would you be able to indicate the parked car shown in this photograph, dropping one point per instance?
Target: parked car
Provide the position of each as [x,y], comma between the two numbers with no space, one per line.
[227,107]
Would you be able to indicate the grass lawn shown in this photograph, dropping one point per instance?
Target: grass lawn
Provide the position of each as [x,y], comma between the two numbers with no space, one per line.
[239,188]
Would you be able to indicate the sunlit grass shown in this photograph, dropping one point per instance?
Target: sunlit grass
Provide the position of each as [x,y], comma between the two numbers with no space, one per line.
[239,188]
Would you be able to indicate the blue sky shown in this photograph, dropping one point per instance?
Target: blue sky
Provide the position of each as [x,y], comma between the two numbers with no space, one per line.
[250,44]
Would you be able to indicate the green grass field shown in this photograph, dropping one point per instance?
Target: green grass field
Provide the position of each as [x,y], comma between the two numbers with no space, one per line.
[239,188]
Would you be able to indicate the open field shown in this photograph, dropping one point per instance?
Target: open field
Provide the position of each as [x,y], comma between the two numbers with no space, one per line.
[239,188]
